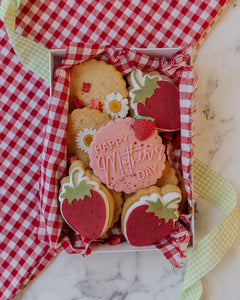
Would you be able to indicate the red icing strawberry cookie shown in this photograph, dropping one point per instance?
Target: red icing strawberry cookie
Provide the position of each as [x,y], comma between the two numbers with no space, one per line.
[150,215]
[86,205]
[127,154]
[155,96]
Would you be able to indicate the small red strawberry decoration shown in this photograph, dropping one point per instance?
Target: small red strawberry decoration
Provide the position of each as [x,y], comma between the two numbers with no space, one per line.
[84,205]
[151,96]
[86,87]
[94,103]
[143,127]
[149,221]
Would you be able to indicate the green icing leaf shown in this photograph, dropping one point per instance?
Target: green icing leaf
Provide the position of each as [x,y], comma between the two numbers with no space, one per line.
[76,192]
[143,118]
[161,211]
[145,91]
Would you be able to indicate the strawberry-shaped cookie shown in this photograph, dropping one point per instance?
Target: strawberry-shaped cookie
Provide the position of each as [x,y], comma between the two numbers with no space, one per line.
[86,205]
[154,96]
[149,215]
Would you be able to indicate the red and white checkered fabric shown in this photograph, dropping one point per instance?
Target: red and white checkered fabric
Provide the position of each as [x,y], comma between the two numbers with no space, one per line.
[25,106]
[139,23]
[174,247]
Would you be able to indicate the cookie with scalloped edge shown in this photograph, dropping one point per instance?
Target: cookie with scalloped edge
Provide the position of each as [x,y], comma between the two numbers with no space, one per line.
[174,177]
[118,200]
[127,154]
[97,80]
[83,123]
[183,205]
[168,176]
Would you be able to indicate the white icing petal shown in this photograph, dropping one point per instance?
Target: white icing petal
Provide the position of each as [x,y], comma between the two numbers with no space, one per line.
[139,76]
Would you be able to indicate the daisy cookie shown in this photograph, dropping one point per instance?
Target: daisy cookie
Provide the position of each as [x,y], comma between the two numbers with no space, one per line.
[127,154]
[83,123]
[116,106]
[168,176]
[149,215]
[85,204]
[96,80]
[155,96]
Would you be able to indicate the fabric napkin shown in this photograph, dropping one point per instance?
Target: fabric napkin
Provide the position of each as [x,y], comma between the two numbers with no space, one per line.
[32,28]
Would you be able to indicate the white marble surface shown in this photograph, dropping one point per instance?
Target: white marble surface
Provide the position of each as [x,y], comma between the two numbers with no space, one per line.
[146,275]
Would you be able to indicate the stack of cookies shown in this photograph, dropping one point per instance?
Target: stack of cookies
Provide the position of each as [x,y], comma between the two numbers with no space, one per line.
[119,170]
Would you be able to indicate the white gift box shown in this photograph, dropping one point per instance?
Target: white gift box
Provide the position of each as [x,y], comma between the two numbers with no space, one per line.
[55,59]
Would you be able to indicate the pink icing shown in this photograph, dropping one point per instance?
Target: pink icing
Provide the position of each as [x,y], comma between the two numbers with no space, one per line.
[123,162]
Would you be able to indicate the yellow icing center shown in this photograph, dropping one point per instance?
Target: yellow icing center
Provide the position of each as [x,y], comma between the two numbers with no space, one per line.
[115,106]
[88,139]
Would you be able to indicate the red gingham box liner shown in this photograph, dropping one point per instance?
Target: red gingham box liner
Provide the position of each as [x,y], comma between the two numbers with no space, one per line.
[24,101]
[54,161]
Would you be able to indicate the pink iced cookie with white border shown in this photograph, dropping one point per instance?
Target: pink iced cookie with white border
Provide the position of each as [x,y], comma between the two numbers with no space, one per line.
[127,154]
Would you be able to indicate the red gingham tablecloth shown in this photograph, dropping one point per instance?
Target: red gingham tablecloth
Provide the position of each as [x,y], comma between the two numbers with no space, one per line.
[25,101]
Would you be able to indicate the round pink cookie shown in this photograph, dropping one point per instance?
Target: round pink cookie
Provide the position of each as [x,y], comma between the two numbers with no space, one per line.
[122,161]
